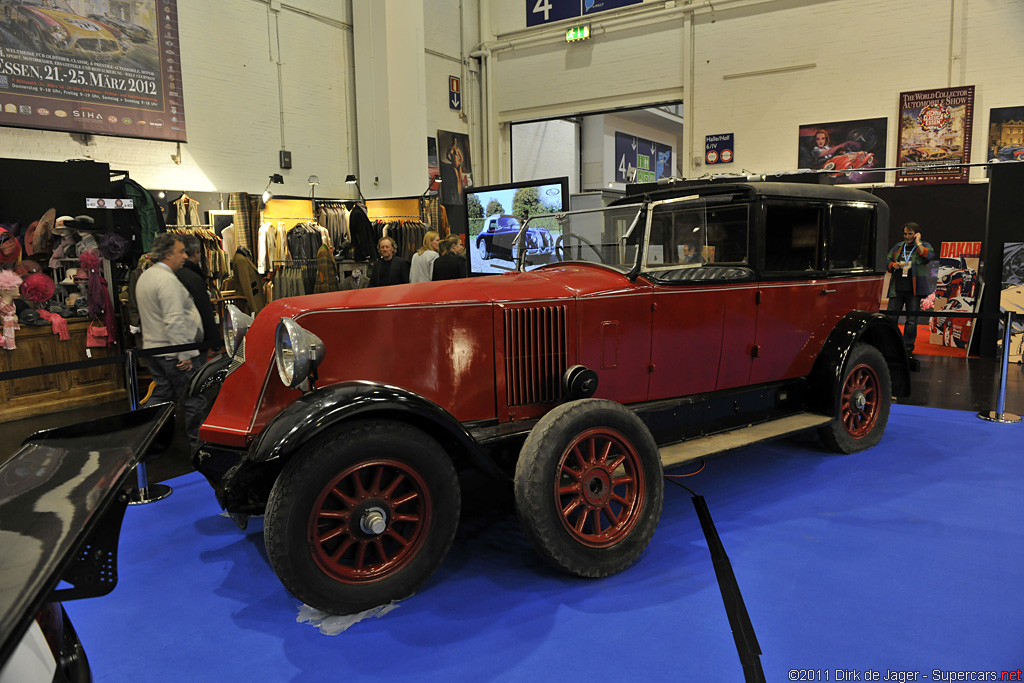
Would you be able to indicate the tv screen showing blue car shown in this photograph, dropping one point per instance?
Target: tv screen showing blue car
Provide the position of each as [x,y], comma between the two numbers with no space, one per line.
[494,215]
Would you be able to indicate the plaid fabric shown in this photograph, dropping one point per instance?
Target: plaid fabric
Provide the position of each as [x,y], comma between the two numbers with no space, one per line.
[326,271]
[247,220]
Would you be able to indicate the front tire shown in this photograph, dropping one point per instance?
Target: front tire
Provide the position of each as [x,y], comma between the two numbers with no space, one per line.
[862,407]
[363,517]
[589,487]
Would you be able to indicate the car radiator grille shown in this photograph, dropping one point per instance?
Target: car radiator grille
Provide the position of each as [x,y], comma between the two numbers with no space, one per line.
[535,354]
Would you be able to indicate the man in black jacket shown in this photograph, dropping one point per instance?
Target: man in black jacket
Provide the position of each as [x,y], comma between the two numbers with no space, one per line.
[389,268]
[191,275]
[451,264]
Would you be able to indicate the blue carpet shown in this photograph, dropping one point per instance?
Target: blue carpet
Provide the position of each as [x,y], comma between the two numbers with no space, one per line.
[907,557]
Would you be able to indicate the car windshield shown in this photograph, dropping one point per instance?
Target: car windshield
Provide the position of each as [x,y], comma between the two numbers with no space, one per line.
[601,236]
[506,223]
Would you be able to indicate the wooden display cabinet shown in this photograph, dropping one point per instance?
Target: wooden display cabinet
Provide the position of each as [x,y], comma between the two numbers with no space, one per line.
[57,391]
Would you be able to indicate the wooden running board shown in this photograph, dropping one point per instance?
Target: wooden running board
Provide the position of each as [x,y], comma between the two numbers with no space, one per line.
[706,446]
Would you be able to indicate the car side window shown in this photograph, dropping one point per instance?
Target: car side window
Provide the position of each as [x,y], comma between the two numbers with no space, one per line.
[849,238]
[793,238]
[697,241]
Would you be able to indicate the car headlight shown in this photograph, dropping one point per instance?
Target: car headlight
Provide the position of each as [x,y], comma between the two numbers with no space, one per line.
[59,35]
[297,351]
[233,327]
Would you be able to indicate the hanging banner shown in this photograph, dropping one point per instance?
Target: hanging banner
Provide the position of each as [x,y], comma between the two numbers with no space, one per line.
[92,66]
[935,136]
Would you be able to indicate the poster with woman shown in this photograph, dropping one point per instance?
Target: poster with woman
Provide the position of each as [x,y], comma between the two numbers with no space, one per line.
[848,148]
[935,136]
[456,167]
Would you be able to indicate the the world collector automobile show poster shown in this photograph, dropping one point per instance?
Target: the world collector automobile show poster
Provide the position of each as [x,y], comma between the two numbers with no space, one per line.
[110,67]
[935,136]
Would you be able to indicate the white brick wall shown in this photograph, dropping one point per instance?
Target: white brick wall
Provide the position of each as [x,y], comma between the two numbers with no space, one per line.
[865,52]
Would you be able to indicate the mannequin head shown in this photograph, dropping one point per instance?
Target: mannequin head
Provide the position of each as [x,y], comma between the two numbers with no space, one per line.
[10,286]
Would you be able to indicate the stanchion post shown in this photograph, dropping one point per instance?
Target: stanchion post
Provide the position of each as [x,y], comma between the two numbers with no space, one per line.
[145,493]
[998,415]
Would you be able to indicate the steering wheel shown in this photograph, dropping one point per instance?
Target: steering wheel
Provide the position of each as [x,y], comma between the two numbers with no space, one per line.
[561,246]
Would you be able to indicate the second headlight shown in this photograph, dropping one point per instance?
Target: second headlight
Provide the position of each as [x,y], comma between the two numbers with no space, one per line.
[297,351]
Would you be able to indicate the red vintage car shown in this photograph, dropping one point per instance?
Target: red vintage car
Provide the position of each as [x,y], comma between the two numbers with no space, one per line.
[849,163]
[345,418]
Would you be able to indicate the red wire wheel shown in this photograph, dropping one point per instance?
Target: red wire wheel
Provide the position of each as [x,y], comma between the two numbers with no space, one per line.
[860,401]
[599,488]
[861,405]
[588,487]
[369,521]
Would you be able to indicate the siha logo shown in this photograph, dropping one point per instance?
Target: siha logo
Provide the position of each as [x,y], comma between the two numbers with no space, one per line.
[111,119]
[42,111]
[87,113]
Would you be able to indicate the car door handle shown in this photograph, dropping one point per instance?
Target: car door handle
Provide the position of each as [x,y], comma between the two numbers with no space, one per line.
[828,291]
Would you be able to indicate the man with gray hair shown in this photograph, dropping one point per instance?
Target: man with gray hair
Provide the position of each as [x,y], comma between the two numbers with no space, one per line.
[169,318]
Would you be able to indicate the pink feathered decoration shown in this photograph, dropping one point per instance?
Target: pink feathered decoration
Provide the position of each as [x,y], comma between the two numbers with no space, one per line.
[928,302]
[9,280]
[37,287]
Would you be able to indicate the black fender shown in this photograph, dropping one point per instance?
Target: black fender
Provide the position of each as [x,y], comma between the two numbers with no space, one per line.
[875,329]
[321,410]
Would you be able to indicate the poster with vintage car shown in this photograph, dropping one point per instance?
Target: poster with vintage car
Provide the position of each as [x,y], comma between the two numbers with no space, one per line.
[957,290]
[849,149]
[92,66]
[1012,297]
[1006,134]
[935,136]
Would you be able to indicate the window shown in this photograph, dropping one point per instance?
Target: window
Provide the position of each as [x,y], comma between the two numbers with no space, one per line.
[849,238]
[792,238]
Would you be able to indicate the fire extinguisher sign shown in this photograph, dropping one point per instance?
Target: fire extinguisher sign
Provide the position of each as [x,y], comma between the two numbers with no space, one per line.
[718,149]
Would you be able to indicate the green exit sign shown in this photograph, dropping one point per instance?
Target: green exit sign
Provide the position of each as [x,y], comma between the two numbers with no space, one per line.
[577,33]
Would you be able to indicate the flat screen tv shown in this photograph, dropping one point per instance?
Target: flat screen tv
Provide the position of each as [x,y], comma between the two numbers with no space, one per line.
[495,213]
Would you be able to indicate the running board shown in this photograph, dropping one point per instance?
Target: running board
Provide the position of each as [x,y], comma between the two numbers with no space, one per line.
[706,446]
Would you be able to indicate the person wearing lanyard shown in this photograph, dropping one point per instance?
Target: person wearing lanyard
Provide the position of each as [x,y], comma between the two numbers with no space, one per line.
[909,280]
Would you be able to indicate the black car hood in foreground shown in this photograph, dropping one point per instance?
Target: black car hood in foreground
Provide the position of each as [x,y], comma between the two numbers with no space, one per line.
[61,504]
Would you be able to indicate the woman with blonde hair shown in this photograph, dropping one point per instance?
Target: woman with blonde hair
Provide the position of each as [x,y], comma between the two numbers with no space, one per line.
[423,260]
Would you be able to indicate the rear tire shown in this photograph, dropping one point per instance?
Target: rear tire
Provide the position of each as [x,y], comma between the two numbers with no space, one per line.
[862,406]
[363,517]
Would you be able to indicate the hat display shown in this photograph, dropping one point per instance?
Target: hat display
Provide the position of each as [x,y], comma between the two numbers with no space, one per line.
[83,224]
[10,247]
[112,246]
[9,280]
[40,233]
[24,268]
[31,317]
[37,288]
[62,225]
[69,278]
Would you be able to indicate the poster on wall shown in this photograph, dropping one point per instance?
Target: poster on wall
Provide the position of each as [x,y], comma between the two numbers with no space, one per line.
[638,160]
[456,167]
[433,170]
[1006,134]
[108,67]
[935,136]
[957,290]
[850,148]
[1012,297]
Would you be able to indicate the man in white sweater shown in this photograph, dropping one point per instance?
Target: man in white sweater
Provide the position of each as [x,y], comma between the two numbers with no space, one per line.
[169,318]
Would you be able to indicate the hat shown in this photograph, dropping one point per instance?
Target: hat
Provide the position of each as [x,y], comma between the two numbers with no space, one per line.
[37,287]
[39,234]
[69,279]
[9,280]
[112,246]
[83,224]
[10,247]
[31,317]
[61,226]
[24,268]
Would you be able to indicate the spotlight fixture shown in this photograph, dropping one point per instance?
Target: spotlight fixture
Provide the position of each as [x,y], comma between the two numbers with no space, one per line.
[313,182]
[351,180]
[267,194]
[436,178]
